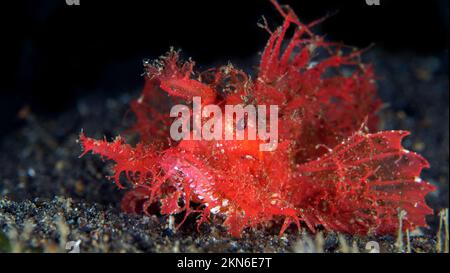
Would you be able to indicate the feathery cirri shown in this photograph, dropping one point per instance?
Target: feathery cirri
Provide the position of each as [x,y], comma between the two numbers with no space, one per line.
[331,167]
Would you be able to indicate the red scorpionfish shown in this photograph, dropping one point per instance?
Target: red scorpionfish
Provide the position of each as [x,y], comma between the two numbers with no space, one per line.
[331,167]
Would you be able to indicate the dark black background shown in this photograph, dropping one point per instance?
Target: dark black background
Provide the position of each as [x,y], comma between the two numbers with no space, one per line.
[52,53]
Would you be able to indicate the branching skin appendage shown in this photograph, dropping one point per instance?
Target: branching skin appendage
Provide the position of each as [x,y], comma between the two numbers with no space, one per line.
[331,167]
